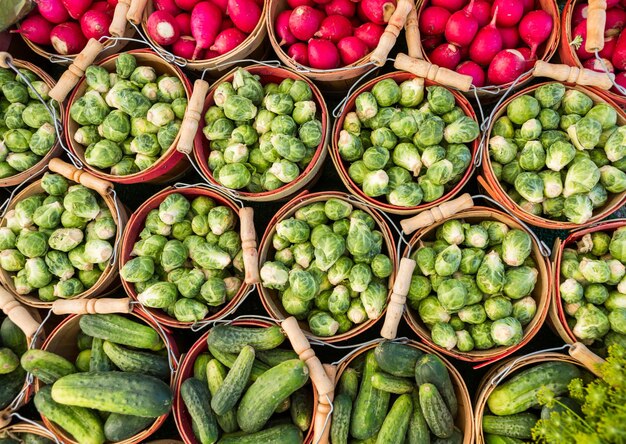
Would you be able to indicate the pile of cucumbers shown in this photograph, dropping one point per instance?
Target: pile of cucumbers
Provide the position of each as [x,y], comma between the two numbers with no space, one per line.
[13,345]
[246,390]
[395,394]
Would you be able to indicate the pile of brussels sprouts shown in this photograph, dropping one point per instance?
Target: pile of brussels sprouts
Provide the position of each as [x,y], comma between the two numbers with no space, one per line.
[261,137]
[26,126]
[593,287]
[128,119]
[473,285]
[404,148]
[58,242]
[559,155]
[329,267]
[188,260]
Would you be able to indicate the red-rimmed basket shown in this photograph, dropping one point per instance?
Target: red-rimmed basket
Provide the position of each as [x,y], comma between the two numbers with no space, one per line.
[131,235]
[380,203]
[270,298]
[313,170]
[181,415]
[541,292]
[493,187]
[170,165]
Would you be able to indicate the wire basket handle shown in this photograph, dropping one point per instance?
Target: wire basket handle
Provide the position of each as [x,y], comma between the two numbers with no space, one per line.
[573,74]
[92,306]
[427,70]
[70,78]
[438,213]
[397,301]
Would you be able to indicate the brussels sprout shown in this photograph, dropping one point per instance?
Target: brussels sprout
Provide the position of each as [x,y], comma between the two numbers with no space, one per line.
[42,141]
[386,92]
[578,208]
[313,214]
[65,239]
[48,216]
[210,257]
[322,324]
[69,288]
[549,119]
[615,147]
[351,123]
[17,140]
[473,314]
[407,156]
[591,323]
[612,179]
[406,195]
[36,114]
[530,186]
[341,227]
[418,290]
[520,282]
[430,132]
[15,92]
[7,238]
[506,331]
[594,271]
[411,92]
[448,261]
[170,88]
[440,172]
[550,95]
[523,108]
[440,100]
[213,292]
[490,277]
[340,270]
[160,114]
[498,307]
[376,157]
[618,270]
[97,251]
[532,156]
[32,243]
[585,134]
[303,254]
[173,256]
[274,275]
[382,266]
[463,130]
[139,269]
[432,154]
[443,335]
[356,312]
[189,310]
[234,176]
[336,209]
[13,115]
[339,300]
[376,183]
[296,231]
[452,295]
[374,299]
[158,295]
[617,320]
[360,277]
[281,104]
[403,124]
[516,247]
[431,311]
[471,258]
[12,260]
[366,106]
[596,294]
[425,258]
[502,150]
[97,78]
[328,249]
[576,102]
[475,236]
[452,232]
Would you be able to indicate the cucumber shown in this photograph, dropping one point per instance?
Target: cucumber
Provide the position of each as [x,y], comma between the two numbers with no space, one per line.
[46,366]
[135,361]
[84,425]
[371,440]
[231,339]
[340,425]
[99,361]
[197,399]
[283,406]
[435,410]
[263,396]
[349,383]
[518,425]
[418,432]
[396,423]
[13,337]
[456,438]
[8,361]
[370,406]
[228,359]
[430,368]
[235,382]
[397,359]
[391,384]
[118,329]
[301,408]
[519,393]
[115,392]
[10,386]
[8,441]
[215,374]
[280,434]
[275,356]
[499,439]
[120,427]
[199,366]
[570,403]
[83,360]
[83,341]
[31,438]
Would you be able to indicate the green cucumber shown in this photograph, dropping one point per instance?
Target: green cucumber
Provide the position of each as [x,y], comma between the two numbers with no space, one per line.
[396,423]
[228,359]
[280,434]
[436,412]
[83,341]
[8,361]
[370,406]
[199,366]
[13,337]
[499,439]
[83,360]
[301,408]
[267,392]
[10,386]
[275,356]
[562,405]
[430,368]
[118,329]
[340,424]
[391,384]
[349,383]
[231,339]
[46,366]
[120,427]
[283,406]
[31,438]
[397,359]
[235,382]
[8,441]
[135,361]
[99,361]
[115,392]
[83,424]
[418,432]
[215,375]
[456,438]
[370,440]
[197,399]
[518,425]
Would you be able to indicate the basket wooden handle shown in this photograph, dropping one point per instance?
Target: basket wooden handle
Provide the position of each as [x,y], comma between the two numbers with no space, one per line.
[17,313]
[80,176]
[586,357]
[76,70]
[422,68]
[596,20]
[436,214]
[135,13]
[392,31]
[5,60]
[398,298]
[119,22]
[91,306]
[573,74]
[249,246]
[193,114]
[321,421]
[412,34]
[300,344]
[5,418]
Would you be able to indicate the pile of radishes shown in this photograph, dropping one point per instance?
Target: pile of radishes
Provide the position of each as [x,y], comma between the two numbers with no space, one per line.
[327,34]
[202,30]
[66,25]
[614,52]
[495,42]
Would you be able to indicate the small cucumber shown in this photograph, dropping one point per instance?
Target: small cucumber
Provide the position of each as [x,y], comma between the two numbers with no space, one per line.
[435,410]
[228,359]
[235,382]
[301,408]
[197,399]
[456,438]
[430,368]
[46,366]
[99,361]
[83,360]
[499,439]
[514,426]
[13,337]
[283,406]
[231,339]
[199,366]
[570,403]
[8,361]
[418,432]
[349,383]
[120,427]
[276,356]
[10,386]
[370,406]
[215,374]
[121,330]
[397,359]
[135,361]
[396,423]
[371,440]
[83,341]
[31,438]
[340,424]
[391,384]
[280,434]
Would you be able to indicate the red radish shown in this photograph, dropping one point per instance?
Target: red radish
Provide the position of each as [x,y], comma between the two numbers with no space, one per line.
[95,24]
[509,12]
[356,22]
[360,13]
[369,33]
[304,22]
[112,3]
[298,52]
[334,28]
[433,20]
[227,23]
[76,8]
[184,47]
[529,5]
[579,37]
[510,37]
[615,20]
[163,28]
[506,67]
[528,57]
[67,38]
[321,2]
[619,54]
[166,5]
[487,43]
[481,10]
[446,56]
[346,8]
[206,19]
[296,3]
[222,4]
[228,40]
[102,7]
[535,28]
[208,54]
[53,11]
[473,70]
[464,52]
[431,42]
[597,65]
[245,14]
[351,49]
[613,3]
[461,28]
[609,47]
[282,28]
[36,29]
[186,5]
[579,13]
[450,5]
[620,79]
[322,54]
[184,23]
[374,9]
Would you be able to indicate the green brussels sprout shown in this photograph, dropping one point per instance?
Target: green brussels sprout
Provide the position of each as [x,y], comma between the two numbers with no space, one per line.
[173,256]
[336,209]
[498,307]
[294,230]
[503,127]
[598,156]
[453,115]
[473,314]
[248,86]
[303,254]
[490,276]
[210,257]
[160,114]
[313,214]
[530,186]
[125,64]
[17,140]
[440,100]
[549,119]
[65,239]
[236,153]
[32,243]
[550,95]
[36,114]
[591,323]
[475,236]
[274,275]
[452,232]
[142,75]
[578,208]
[15,92]
[304,112]
[605,114]
[158,295]
[617,271]
[383,137]
[615,147]
[42,140]
[411,92]
[386,92]
[104,154]
[443,335]
[452,295]
[612,179]
[376,183]
[617,320]
[520,282]
[559,155]
[397,176]
[406,195]
[448,261]
[230,242]
[340,270]
[403,124]
[341,227]
[219,129]
[174,208]
[366,106]
[48,215]
[360,277]
[97,251]
[139,126]
[7,238]
[593,271]
[69,288]
[407,156]
[585,133]
[6,170]
[461,157]
[432,154]
[328,249]
[617,246]
[532,157]
[351,123]
[418,290]
[221,219]
[440,172]
[281,104]
[374,299]
[234,176]
[382,266]
[481,334]
[39,88]
[167,134]
[471,258]
[506,331]
[133,103]
[303,284]
[463,130]
[323,324]
[431,311]
[97,78]
[13,115]
[246,134]
[189,310]
[430,132]
[179,106]
[12,260]
[516,247]
[116,126]
[356,312]
[568,120]
[425,258]
[596,294]
[213,292]
[523,108]
[376,157]
[576,102]
[96,109]
[339,300]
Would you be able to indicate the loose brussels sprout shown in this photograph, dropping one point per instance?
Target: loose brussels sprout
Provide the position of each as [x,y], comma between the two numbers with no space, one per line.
[523,108]
[530,186]
[516,247]
[502,150]
[406,195]
[411,92]
[462,130]
[443,335]
[591,323]
[452,232]
[585,133]
[366,106]
[576,102]
[490,277]
[612,179]
[550,95]
[475,236]
[452,295]
[507,331]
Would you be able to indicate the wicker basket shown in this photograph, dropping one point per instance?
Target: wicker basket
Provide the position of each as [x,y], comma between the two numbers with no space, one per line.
[493,187]
[21,427]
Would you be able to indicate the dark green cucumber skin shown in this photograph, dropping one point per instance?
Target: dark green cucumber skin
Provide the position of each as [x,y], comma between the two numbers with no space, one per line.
[197,399]
[569,402]
[370,406]
[83,361]
[99,361]
[215,374]
[517,426]
[349,383]
[275,356]
[391,384]
[371,440]
[135,361]
[123,331]
[396,423]
[231,339]
[9,441]
[9,361]
[46,366]
[432,369]
[10,386]
[83,424]
[283,406]
[499,439]
[235,382]
[418,432]
[397,359]
[120,427]
[280,434]
[268,391]
[199,366]
[31,438]
[435,410]
[340,425]
[115,392]
[13,337]
[456,438]
[228,359]
[83,341]
[301,408]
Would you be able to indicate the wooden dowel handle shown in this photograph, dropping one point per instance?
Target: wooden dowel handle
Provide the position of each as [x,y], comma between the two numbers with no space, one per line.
[573,74]
[322,420]
[397,301]
[422,68]
[596,21]
[76,70]
[392,31]
[586,357]
[80,176]
[193,114]
[92,306]
[249,245]
[436,214]
[135,13]
[119,22]
[5,418]
[17,313]
[5,60]
[412,35]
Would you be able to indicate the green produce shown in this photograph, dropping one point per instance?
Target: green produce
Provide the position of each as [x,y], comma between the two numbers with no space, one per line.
[514,426]
[13,345]
[47,367]
[397,359]
[120,427]
[136,361]
[279,434]
[227,395]
[232,339]
[196,396]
